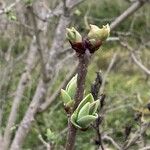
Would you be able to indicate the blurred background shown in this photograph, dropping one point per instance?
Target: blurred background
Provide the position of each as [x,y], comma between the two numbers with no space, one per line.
[36,61]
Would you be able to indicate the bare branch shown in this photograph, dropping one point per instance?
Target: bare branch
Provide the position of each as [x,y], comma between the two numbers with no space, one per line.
[134,7]
[137,135]
[19,93]
[47,145]
[137,62]
[108,138]
[50,99]
[29,116]
[38,43]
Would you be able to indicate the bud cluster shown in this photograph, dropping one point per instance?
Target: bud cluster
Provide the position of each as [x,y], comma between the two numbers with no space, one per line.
[86,112]
[92,42]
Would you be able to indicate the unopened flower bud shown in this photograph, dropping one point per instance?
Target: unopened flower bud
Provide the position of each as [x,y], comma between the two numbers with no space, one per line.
[93,44]
[73,35]
[75,40]
[99,33]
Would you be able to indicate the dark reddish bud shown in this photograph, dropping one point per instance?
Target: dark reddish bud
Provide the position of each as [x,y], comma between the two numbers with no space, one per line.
[78,47]
[92,45]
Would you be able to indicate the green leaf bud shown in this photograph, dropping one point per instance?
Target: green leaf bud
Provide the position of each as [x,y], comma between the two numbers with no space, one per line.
[65,96]
[88,98]
[99,33]
[84,110]
[85,121]
[93,107]
[71,87]
[73,35]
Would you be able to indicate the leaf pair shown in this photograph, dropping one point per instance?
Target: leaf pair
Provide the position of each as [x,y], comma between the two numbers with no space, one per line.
[69,92]
[85,113]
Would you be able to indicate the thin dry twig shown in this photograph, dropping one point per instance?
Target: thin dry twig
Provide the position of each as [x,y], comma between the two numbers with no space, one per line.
[108,138]
[52,97]
[134,7]
[47,145]
[137,62]
[137,135]
[112,62]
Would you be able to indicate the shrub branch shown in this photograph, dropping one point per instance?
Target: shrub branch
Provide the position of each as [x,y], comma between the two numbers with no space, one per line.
[82,72]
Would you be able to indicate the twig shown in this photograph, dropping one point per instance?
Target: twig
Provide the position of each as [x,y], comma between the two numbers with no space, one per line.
[82,71]
[47,145]
[38,43]
[60,65]
[25,124]
[138,63]
[114,57]
[137,135]
[51,98]
[95,88]
[108,138]
[134,7]
[112,109]
[19,93]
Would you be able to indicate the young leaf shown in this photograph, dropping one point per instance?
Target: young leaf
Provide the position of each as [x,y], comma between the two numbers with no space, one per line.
[86,121]
[66,98]
[71,89]
[94,107]
[84,110]
[74,78]
[88,98]
[74,119]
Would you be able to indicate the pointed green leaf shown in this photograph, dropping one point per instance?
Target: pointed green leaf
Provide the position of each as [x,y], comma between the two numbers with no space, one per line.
[86,121]
[74,116]
[72,86]
[72,89]
[84,110]
[66,98]
[88,98]
[73,120]
[93,107]
[74,78]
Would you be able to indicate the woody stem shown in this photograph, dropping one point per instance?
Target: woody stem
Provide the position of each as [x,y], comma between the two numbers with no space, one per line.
[82,72]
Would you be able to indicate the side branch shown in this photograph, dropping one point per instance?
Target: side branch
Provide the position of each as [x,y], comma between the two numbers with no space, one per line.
[134,7]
